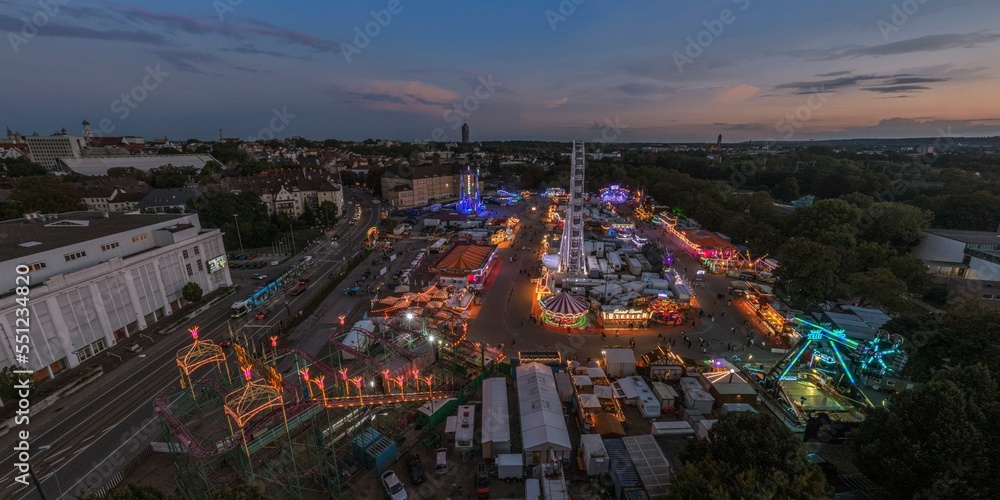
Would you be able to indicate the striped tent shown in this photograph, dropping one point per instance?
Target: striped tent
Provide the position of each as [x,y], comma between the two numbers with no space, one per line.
[564,305]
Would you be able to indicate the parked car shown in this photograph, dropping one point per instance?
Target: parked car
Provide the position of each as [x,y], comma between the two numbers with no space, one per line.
[393,487]
[415,468]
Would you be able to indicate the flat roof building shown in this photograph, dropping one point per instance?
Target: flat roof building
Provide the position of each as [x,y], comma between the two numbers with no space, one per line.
[101,164]
[543,426]
[98,278]
[45,151]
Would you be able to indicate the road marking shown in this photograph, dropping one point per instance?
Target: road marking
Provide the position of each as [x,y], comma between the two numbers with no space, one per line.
[221,316]
[113,452]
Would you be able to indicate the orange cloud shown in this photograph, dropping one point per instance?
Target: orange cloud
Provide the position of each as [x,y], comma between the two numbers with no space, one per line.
[737,93]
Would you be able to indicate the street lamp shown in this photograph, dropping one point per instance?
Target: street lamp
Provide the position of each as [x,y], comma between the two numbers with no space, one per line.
[236,218]
[731,373]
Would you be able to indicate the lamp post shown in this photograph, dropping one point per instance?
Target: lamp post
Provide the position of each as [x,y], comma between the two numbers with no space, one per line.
[238,236]
[731,373]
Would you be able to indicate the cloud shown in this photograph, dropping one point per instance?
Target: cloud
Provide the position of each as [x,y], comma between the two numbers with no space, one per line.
[555,103]
[834,73]
[406,96]
[928,43]
[878,83]
[911,127]
[9,24]
[192,61]
[895,89]
[251,28]
[736,94]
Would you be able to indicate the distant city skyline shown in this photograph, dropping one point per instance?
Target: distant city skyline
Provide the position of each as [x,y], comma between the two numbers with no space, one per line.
[592,70]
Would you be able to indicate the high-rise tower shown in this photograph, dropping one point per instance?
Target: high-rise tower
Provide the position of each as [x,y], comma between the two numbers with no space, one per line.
[88,134]
[465,134]
[571,258]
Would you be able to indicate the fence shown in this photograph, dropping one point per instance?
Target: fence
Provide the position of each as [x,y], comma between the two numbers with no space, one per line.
[127,469]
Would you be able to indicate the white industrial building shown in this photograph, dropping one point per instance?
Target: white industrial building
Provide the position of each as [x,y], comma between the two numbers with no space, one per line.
[969,259]
[99,165]
[45,150]
[543,426]
[97,278]
[496,418]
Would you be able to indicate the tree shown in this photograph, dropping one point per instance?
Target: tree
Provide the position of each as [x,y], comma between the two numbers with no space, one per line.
[240,492]
[808,272]
[328,212]
[748,455]
[9,383]
[132,492]
[212,168]
[831,222]
[45,193]
[169,176]
[786,190]
[192,292]
[23,167]
[878,286]
[896,224]
[939,440]
[969,334]
[913,272]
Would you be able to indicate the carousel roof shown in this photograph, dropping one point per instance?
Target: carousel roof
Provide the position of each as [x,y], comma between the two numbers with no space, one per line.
[564,303]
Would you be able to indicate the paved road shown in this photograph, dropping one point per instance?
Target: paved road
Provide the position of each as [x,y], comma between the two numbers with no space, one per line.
[505,314]
[88,436]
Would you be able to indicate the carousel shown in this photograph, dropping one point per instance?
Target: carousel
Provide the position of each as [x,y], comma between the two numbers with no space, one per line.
[564,310]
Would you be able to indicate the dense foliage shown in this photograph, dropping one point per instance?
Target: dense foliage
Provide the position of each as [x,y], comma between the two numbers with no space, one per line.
[939,440]
[748,455]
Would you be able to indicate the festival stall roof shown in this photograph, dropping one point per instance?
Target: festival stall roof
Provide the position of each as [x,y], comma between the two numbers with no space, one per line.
[496,423]
[707,239]
[582,381]
[607,426]
[542,423]
[463,259]
[650,463]
[660,356]
[604,392]
[564,303]
[857,322]
[589,401]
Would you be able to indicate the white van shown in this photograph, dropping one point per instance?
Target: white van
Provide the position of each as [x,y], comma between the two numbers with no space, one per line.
[441,466]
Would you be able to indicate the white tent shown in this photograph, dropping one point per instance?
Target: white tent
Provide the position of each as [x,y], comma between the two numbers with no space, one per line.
[543,427]
[589,401]
[496,424]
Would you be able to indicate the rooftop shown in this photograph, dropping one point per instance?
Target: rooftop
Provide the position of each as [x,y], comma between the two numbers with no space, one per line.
[980,237]
[70,228]
[465,258]
[649,462]
[100,165]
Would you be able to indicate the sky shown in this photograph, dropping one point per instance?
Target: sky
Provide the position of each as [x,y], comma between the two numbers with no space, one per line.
[591,70]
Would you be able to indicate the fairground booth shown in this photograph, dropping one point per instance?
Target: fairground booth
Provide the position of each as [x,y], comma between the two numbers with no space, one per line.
[465,265]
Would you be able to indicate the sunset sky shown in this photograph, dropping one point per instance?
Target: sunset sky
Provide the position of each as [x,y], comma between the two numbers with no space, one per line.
[517,69]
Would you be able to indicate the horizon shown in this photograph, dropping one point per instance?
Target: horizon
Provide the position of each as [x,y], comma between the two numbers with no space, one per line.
[776,72]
